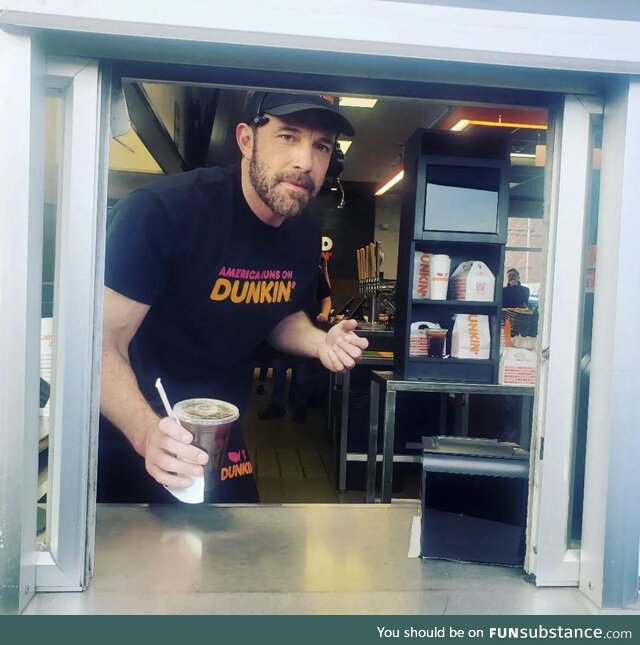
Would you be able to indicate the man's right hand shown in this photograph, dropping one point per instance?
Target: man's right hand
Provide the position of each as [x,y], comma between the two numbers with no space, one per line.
[169,456]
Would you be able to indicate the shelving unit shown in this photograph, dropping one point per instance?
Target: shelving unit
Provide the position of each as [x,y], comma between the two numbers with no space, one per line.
[455,203]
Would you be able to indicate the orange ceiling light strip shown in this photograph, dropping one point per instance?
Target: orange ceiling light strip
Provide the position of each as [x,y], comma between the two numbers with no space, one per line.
[462,117]
[465,123]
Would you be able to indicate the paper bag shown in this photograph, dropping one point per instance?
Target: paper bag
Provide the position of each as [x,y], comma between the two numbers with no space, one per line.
[421,279]
[471,337]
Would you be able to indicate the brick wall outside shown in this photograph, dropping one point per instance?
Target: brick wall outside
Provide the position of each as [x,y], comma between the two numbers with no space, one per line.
[525,233]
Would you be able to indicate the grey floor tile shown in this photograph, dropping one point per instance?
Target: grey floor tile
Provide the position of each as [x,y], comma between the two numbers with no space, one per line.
[289,461]
[267,464]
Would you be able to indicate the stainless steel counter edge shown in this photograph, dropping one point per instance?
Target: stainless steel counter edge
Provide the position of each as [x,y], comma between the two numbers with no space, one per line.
[286,559]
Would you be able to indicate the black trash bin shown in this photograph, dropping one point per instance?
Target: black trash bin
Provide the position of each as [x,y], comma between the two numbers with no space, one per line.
[474,500]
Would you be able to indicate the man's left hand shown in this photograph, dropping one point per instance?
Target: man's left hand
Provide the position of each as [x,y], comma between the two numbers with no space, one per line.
[342,348]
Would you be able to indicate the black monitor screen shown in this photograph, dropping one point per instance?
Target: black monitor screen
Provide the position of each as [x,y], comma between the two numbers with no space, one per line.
[460,198]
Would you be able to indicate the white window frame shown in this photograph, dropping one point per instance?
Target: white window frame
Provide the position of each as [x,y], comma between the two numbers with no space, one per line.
[21,232]
[549,556]
[81,210]
[611,517]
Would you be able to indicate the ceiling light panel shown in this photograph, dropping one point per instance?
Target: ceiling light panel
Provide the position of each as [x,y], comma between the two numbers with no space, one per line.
[357,101]
[390,184]
[344,145]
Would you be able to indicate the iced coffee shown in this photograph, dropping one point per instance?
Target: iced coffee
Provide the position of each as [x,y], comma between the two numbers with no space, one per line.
[210,421]
[436,342]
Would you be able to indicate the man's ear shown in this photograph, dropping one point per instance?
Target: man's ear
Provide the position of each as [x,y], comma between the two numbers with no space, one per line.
[244,138]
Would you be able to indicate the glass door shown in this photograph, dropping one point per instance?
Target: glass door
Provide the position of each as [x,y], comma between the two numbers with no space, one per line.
[552,554]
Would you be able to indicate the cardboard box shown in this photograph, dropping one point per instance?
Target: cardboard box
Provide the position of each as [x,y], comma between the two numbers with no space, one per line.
[418,337]
[472,280]
[518,367]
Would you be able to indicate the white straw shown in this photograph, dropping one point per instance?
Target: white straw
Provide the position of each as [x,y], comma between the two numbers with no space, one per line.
[194,493]
[165,402]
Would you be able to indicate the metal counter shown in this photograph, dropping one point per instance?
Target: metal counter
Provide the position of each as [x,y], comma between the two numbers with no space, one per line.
[392,384]
[340,417]
[300,559]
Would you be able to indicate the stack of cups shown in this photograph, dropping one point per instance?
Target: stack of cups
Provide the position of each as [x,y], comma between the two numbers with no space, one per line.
[439,276]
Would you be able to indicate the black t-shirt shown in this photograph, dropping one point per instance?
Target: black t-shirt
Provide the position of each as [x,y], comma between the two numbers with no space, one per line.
[315,296]
[515,296]
[323,290]
[217,280]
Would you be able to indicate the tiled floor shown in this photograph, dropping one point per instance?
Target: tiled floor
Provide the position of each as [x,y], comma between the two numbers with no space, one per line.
[295,462]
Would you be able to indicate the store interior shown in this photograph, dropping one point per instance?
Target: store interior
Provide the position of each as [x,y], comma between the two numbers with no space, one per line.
[178,127]
[173,127]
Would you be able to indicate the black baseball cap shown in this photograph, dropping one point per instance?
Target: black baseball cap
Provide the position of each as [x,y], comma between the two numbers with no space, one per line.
[280,104]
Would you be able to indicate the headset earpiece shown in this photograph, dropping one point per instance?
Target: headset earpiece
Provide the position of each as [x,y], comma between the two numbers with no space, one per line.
[259,118]
[336,163]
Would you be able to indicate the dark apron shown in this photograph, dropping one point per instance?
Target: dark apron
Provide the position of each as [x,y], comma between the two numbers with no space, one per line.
[122,477]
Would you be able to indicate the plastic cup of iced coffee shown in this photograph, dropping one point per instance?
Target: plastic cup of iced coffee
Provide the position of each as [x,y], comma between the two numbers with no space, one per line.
[210,421]
[436,342]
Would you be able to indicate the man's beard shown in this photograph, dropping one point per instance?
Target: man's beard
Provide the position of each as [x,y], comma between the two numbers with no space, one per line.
[280,199]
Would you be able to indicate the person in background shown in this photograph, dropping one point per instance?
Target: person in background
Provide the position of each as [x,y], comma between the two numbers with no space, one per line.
[303,372]
[264,355]
[201,267]
[514,294]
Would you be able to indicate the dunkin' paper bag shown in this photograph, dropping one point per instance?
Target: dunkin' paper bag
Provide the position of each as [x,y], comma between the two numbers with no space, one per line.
[421,275]
[471,337]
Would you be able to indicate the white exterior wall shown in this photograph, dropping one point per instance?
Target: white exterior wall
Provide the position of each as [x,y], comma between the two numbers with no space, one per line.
[359,26]
[21,166]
